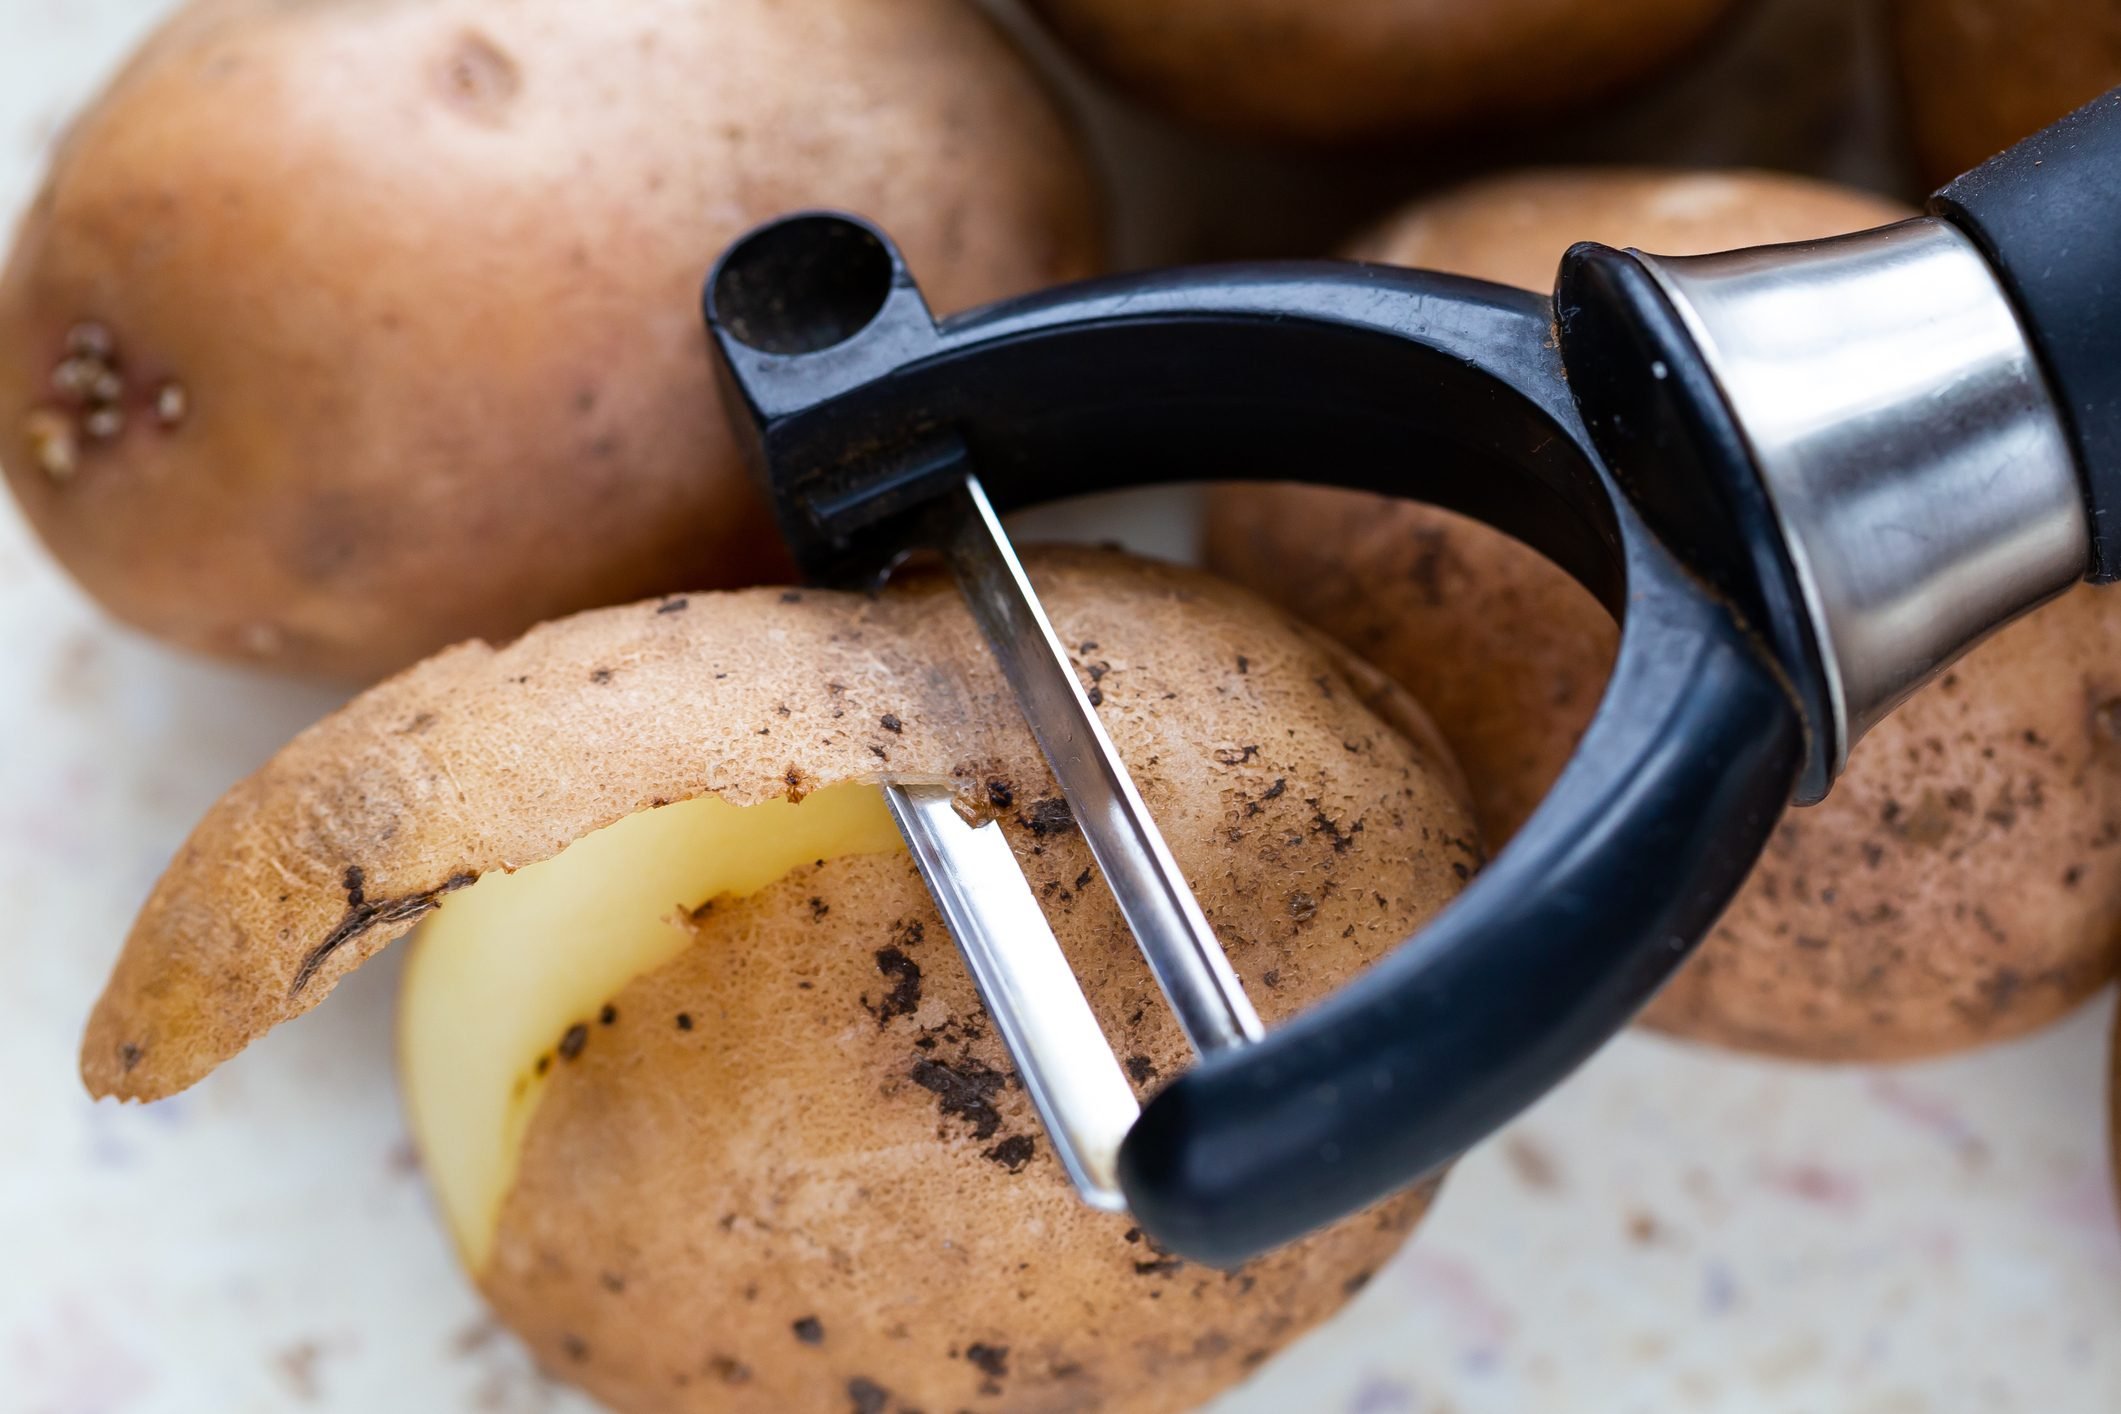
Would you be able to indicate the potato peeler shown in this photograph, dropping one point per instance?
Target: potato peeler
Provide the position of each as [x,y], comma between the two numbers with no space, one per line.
[1803,477]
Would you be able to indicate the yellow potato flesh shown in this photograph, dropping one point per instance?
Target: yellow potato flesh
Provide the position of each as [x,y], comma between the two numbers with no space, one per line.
[507,966]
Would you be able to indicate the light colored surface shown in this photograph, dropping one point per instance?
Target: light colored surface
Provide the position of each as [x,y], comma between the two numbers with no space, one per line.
[1672,1230]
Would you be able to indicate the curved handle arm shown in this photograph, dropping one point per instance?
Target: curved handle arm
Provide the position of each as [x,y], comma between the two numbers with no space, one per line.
[862,409]
[1880,446]
[1629,860]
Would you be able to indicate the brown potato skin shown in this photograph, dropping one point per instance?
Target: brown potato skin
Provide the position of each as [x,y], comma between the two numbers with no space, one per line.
[427,276]
[1960,884]
[1977,75]
[687,1197]
[502,757]
[1369,69]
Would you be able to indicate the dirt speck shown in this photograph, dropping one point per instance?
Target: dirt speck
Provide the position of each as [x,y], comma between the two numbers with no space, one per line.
[965,1090]
[478,79]
[1050,816]
[1927,825]
[904,998]
[1012,1153]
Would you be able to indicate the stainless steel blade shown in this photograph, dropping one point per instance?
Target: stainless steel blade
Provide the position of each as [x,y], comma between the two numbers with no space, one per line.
[1030,991]
[1158,904]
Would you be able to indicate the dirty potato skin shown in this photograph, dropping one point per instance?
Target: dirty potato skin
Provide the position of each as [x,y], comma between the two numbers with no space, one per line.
[1978,75]
[827,1191]
[504,756]
[1370,69]
[832,1182]
[1960,884]
[340,332]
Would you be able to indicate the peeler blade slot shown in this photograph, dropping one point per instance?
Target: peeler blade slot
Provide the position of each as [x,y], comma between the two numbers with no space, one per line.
[1023,977]
[1189,964]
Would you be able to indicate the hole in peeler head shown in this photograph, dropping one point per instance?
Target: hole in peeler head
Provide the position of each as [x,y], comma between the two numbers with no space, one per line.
[802,284]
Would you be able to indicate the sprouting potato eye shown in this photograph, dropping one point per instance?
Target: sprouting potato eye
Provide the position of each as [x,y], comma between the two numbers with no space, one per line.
[238,444]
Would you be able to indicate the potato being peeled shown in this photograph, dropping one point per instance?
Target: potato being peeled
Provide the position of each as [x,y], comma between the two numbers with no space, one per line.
[1962,882]
[1360,70]
[342,332]
[708,1100]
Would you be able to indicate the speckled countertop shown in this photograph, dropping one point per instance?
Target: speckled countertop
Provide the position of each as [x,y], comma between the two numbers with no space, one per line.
[1674,1230]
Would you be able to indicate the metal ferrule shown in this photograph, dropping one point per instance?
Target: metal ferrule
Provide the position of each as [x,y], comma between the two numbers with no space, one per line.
[1915,460]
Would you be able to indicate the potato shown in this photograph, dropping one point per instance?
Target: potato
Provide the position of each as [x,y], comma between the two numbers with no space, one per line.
[1367,69]
[707,1098]
[1960,884]
[1432,594]
[1978,75]
[341,332]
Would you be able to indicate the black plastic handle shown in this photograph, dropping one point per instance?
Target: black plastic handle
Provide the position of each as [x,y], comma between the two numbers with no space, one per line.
[1631,857]
[2047,213]
[1408,383]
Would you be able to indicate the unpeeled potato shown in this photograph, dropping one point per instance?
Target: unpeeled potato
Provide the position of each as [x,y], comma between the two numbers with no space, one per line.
[709,1102]
[1504,649]
[1367,69]
[1960,885]
[1978,75]
[340,332]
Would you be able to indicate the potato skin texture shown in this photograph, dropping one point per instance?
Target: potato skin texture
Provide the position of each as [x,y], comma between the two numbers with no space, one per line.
[1371,69]
[823,1144]
[832,1182]
[1978,75]
[425,278]
[1960,883]
[482,758]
